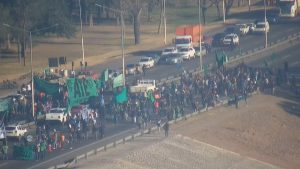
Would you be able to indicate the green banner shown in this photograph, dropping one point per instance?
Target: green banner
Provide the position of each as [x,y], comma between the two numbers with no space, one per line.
[104,75]
[80,90]
[5,104]
[118,81]
[221,58]
[44,86]
[122,96]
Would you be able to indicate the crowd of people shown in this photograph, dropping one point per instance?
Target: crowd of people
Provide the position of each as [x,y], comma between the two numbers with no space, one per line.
[168,101]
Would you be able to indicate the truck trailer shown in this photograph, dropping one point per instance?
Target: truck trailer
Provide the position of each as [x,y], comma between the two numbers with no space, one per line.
[288,8]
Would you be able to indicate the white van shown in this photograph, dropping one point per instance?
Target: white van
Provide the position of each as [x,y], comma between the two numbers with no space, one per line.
[261,27]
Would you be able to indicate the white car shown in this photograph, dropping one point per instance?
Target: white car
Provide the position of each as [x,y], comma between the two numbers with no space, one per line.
[187,52]
[231,39]
[148,62]
[261,27]
[169,50]
[244,29]
[16,131]
[57,114]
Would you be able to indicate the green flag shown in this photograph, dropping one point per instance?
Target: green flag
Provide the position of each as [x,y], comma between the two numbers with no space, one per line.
[44,86]
[118,81]
[122,96]
[104,75]
[5,104]
[150,96]
[80,90]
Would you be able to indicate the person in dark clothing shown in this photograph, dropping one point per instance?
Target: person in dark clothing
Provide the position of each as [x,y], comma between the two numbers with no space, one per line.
[236,100]
[144,70]
[166,128]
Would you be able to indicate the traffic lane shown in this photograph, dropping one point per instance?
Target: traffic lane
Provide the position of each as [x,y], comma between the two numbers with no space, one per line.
[15,164]
[277,32]
[290,55]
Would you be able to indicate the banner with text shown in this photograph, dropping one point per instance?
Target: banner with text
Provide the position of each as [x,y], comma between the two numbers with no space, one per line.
[80,90]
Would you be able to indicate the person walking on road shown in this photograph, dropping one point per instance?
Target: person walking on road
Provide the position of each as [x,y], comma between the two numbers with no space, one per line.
[4,152]
[144,70]
[166,128]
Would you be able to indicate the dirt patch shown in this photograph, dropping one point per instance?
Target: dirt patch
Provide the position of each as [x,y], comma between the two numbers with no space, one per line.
[261,129]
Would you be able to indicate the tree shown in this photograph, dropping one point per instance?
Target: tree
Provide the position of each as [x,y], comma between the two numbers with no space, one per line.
[228,5]
[30,15]
[134,9]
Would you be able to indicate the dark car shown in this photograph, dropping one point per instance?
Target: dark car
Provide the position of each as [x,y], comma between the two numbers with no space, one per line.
[217,39]
[163,59]
[232,29]
[272,18]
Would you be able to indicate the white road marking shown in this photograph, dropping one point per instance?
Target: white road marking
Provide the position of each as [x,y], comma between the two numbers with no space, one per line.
[78,149]
[294,63]
[286,56]
[3,164]
[224,150]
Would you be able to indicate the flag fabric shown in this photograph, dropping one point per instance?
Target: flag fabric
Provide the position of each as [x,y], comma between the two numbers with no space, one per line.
[5,105]
[104,75]
[122,96]
[118,81]
[46,87]
[80,90]
[2,130]
[150,96]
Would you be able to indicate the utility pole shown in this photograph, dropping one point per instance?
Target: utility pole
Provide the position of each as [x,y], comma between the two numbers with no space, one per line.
[224,17]
[82,46]
[266,33]
[165,22]
[200,36]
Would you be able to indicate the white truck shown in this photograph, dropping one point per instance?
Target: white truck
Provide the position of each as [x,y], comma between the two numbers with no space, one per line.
[183,41]
[288,8]
[143,86]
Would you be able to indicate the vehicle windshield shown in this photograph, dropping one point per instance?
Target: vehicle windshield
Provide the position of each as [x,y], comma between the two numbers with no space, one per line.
[130,65]
[184,50]
[243,26]
[144,60]
[260,26]
[56,111]
[168,50]
[10,128]
[182,41]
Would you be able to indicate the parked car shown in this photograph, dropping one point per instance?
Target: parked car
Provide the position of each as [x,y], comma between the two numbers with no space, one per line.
[57,114]
[217,39]
[244,29]
[169,50]
[203,51]
[261,27]
[231,39]
[15,131]
[132,69]
[174,58]
[148,62]
[187,52]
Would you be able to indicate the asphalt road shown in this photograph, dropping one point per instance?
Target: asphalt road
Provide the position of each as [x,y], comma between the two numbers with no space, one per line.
[248,42]
[277,32]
